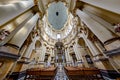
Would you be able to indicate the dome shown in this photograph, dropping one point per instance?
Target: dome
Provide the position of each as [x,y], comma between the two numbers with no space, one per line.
[57,15]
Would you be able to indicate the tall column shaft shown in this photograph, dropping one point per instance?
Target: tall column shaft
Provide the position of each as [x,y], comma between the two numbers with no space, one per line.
[91,46]
[66,55]
[72,4]
[41,6]
[29,49]
[77,53]
[99,30]
[43,53]
[23,33]
[10,11]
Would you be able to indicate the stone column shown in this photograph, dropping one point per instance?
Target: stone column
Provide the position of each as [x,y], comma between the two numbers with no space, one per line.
[29,50]
[110,40]
[41,6]
[83,52]
[75,48]
[31,46]
[38,51]
[96,54]
[72,5]
[68,58]
[40,54]
[6,68]
[10,11]
[52,57]
[23,33]
[90,45]
[99,30]
[66,55]
[43,53]
[52,52]
[49,58]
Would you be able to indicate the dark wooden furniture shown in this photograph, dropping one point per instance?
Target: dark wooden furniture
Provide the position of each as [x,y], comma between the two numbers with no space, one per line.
[76,73]
[41,73]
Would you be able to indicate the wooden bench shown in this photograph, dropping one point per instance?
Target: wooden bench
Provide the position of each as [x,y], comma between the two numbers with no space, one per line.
[41,73]
[76,73]
[92,74]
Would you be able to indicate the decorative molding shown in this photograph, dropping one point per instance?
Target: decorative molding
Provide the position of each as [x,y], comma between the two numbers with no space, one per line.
[101,59]
[24,62]
[9,55]
[112,52]
[25,57]
[12,45]
[41,62]
[111,40]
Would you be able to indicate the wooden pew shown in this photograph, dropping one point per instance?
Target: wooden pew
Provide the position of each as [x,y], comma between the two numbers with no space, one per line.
[41,73]
[76,73]
[92,74]
[48,73]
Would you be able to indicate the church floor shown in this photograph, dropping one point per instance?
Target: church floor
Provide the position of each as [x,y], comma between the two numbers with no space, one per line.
[61,75]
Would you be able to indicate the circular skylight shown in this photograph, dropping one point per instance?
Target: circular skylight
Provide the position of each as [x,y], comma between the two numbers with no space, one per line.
[57,15]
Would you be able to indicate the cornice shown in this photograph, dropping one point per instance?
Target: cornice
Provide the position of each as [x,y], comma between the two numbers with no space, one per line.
[113,52]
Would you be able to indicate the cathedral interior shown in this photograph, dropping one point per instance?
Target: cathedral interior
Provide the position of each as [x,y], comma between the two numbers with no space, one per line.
[59,39]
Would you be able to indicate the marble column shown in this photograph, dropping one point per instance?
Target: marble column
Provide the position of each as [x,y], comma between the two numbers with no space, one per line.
[40,54]
[30,48]
[96,54]
[99,30]
[83,52]
[68,57]
[77,52]
[72,5]
[91,46]
[52,52]
[38,51]
[19,38]
[41,6]
[43,53]
[10,11]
